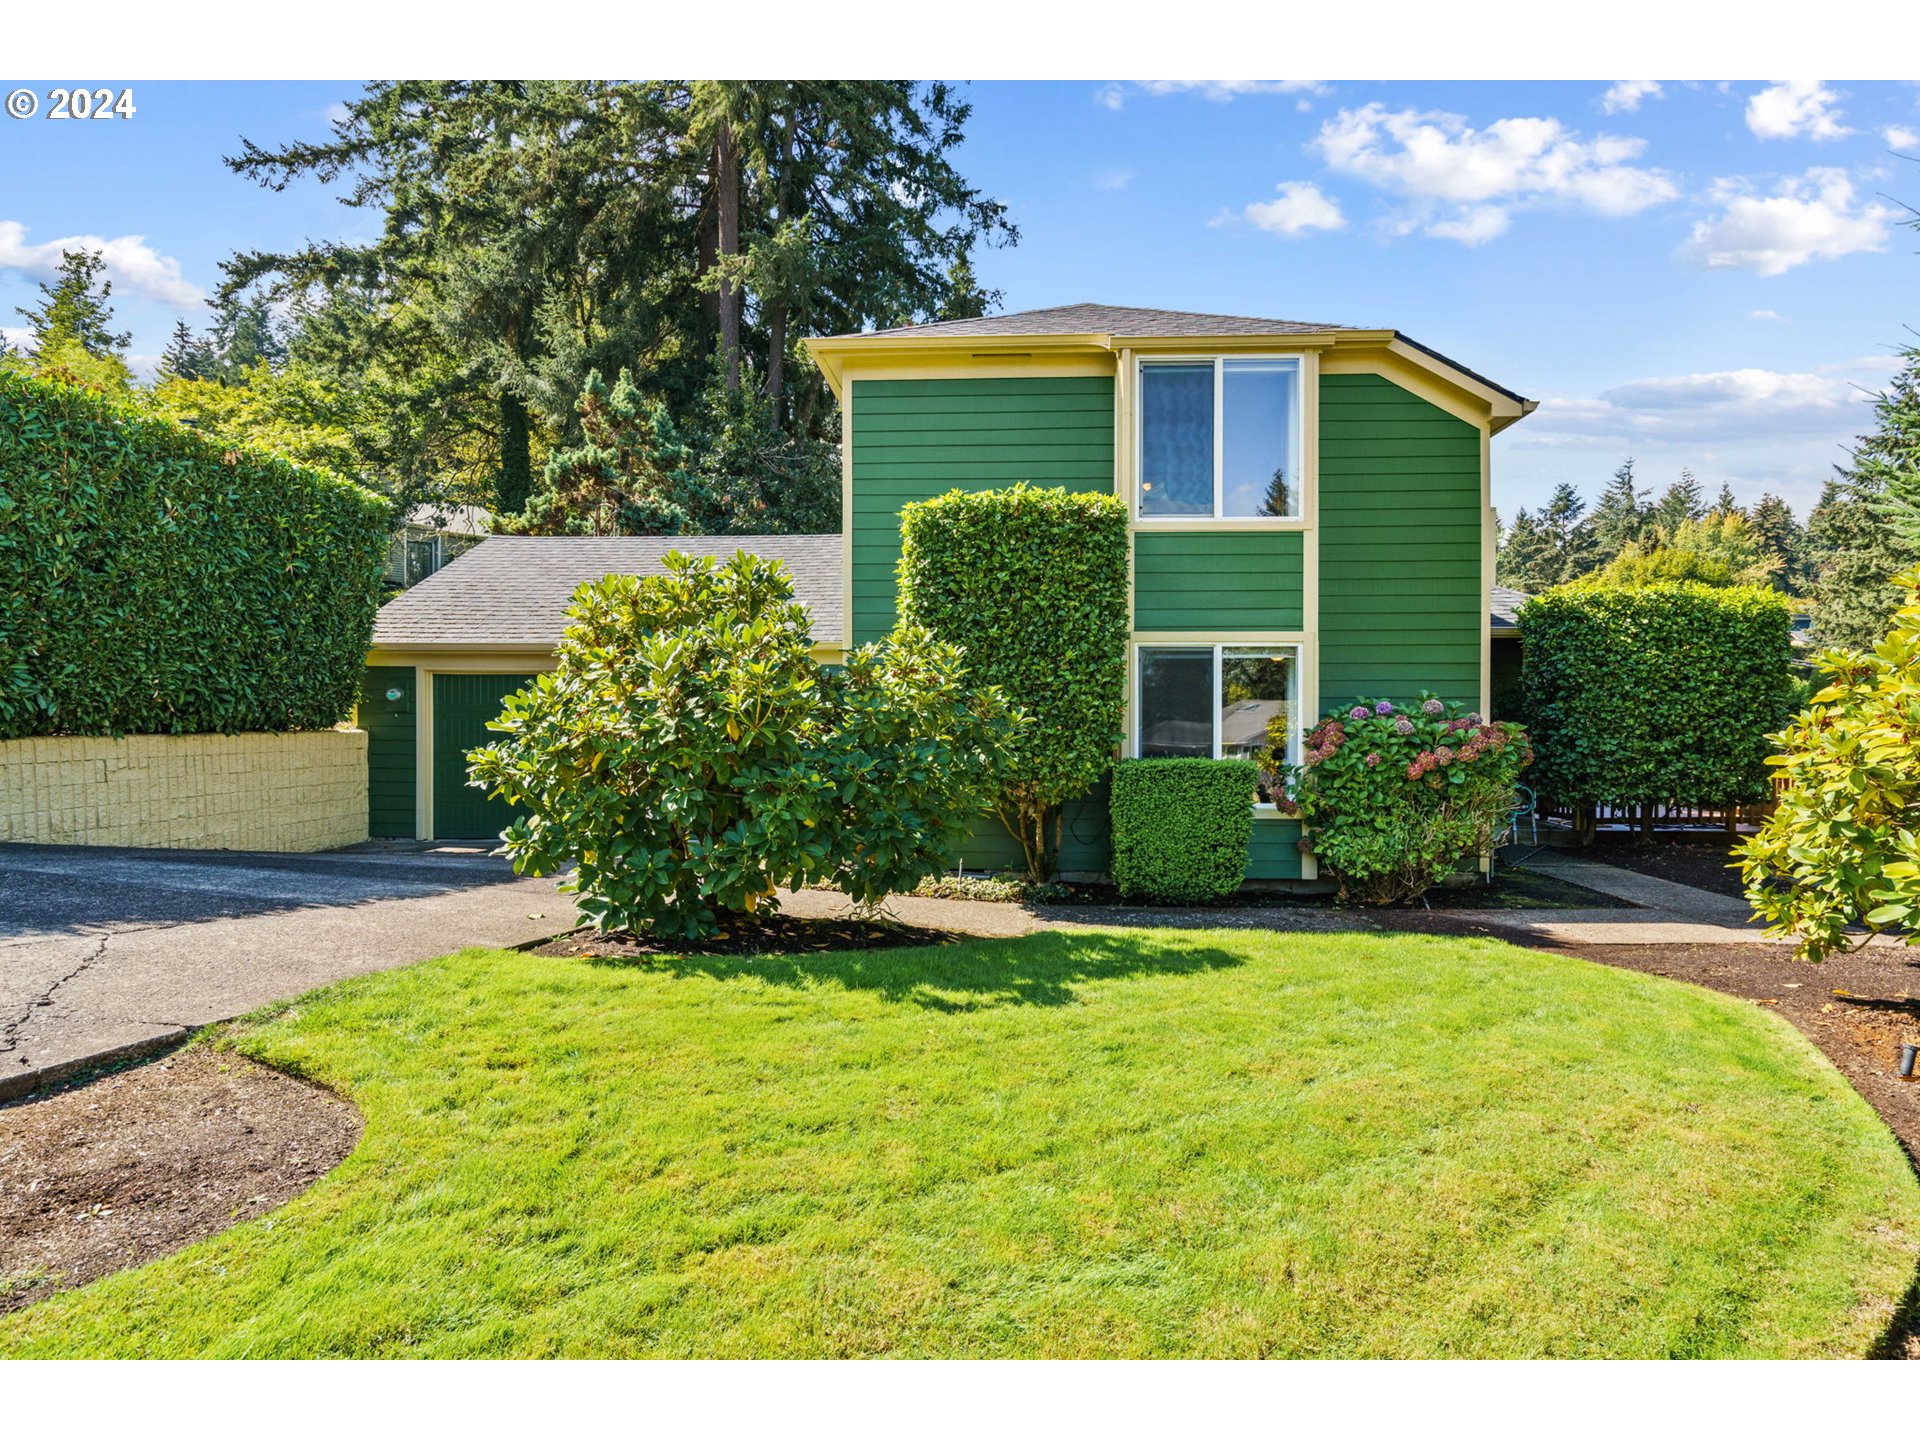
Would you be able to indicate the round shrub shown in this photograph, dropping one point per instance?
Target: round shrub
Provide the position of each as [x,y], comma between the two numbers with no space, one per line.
[1181,828]
[688,757]
[1395,797]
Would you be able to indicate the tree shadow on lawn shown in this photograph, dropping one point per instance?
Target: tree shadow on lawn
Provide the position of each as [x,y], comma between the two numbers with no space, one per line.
[1038,969]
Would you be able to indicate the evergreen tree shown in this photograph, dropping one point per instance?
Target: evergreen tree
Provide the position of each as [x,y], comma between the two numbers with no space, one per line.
[244,335]
[1568,532]
[1725,504]
[1274,502]
[187,356]
[1526,559]
[73,309]
[1621,514]
[1853,553]
[1779,535]
[1683,500]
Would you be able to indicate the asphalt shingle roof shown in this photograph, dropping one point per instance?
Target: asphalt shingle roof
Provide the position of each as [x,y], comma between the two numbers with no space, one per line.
[513,590]
[1090,319]
[1505,603]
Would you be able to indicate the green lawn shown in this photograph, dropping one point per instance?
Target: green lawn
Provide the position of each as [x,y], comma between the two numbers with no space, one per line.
[1104,1143]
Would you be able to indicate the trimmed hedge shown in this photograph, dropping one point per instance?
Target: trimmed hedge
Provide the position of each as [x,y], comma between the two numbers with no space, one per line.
[1659,694]
[160,582]
[1181,828]
[1032,585]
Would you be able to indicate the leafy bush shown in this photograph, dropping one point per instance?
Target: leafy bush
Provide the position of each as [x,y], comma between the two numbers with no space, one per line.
[1032,585]
[689,756]
[163,583]
[1840,848]
[1394,799]
[1659,694]
[1181,828]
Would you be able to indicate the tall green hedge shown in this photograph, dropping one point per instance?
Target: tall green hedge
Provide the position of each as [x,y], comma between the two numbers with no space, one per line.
[1032,585]
[1181,828]
[1659,694]
[156,581]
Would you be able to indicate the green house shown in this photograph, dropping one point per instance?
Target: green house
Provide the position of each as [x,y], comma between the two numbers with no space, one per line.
[1311,517]
[1311,523]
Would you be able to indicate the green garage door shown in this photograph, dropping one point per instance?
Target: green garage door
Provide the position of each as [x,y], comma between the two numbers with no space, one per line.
[462,706]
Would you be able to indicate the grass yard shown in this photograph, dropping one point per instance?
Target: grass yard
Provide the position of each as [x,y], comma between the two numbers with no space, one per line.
[1096,1143]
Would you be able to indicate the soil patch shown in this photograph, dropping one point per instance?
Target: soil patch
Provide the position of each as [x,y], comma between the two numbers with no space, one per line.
[773,934]
[120,1170]
[1514,887]
[1697,858]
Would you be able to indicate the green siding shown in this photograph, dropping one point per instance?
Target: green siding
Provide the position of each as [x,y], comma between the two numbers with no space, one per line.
[390,750]
[1402,599]
[1219,581]
[1274,853]
[462,706]
[914,439]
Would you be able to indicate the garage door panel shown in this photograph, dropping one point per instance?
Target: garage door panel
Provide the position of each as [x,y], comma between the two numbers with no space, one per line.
[462,706]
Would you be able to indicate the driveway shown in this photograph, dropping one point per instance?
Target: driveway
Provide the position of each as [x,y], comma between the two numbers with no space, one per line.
[106,952]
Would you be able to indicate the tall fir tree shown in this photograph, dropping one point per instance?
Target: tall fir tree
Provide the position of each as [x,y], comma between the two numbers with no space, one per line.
[74,309]
[187,356]
[1620,516]
[1725,503]
[1682,500]
[1779,534]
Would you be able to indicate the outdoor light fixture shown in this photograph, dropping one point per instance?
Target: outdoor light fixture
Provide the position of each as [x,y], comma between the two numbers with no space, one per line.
[394,694]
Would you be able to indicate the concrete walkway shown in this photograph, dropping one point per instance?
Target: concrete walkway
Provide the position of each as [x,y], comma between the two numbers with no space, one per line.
[107,952]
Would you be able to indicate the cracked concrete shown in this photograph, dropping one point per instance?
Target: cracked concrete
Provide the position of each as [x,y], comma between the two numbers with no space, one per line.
[107,952]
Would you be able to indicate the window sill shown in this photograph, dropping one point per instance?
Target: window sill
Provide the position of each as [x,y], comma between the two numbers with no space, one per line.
[1220,522]
[1263,811]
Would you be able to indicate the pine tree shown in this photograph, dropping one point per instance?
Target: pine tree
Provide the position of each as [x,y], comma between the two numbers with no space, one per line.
[187,357]
[1274,502]
[1526,559]
[1683,500]
[1853,553]
[1725,504]
[1779,535]
[244,335]
[1621,514]
[73,309]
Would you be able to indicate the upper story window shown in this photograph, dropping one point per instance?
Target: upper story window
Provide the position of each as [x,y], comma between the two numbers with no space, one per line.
[1219,439]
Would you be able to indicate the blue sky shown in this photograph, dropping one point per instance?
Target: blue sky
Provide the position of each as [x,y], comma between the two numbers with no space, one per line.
[1698,274]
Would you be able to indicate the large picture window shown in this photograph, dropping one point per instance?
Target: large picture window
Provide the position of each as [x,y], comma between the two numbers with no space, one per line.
[1220,439]
[1222,702]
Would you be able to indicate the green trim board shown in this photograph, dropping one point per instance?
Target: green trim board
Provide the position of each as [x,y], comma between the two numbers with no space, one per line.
[1220,581]
[915,439]
[391,758]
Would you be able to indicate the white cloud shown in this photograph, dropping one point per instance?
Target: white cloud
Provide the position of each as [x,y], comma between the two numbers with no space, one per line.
[1113,95]
[1627,95]
[1115,179]
[133,265]
[1795,107]
[1722,407]
[1764,315]
[17,337]
[1301,208]
[1899,137]
[1462,182]
[338,114]
[1816,216]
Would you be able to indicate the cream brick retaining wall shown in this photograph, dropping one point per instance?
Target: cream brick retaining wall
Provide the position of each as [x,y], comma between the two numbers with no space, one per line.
[302,791]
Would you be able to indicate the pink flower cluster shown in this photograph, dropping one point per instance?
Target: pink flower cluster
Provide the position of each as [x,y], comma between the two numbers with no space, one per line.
[1325,738]
[1484,738]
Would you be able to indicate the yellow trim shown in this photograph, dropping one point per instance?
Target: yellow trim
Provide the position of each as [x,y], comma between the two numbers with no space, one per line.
[974,359]
[1310,556]
[846,513]
[1220,637]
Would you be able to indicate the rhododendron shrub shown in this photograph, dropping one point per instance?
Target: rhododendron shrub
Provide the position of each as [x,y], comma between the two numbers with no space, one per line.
[1394,798]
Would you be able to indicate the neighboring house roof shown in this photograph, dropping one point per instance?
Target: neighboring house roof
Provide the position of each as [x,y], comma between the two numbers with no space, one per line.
[451,519]
[1506,608]
[513,591]
[1090,319]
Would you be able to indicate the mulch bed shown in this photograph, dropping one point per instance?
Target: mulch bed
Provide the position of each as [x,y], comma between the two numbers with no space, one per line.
[774,934]
[112,1173]
[1513,888]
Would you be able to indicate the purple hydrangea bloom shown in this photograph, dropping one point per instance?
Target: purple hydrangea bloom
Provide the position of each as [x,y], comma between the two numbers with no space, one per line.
[1403,726]
[1385,707]
[1434,707]
[1373,759]
[1359,712]
[1474,718]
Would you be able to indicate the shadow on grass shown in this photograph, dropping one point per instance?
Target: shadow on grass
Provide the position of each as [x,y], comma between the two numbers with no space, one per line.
[1901,1339]
[1039,969]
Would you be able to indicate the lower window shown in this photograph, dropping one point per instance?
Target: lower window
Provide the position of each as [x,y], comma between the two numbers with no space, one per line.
[1220,702]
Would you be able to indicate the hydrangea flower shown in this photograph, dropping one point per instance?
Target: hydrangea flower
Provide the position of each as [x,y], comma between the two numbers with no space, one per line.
[1385,707]
[1359,712]
[1473,718]
[1444,755]
[1373,759]
[1402,726]
[1433,707]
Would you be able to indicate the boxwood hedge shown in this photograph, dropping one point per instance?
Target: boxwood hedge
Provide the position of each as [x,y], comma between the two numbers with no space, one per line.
[158,581]
[1659,694]
[1181,828]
